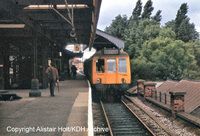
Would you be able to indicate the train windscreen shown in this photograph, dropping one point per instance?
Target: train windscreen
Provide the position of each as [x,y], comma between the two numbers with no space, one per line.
[111,65]
[100,66]
[122,66]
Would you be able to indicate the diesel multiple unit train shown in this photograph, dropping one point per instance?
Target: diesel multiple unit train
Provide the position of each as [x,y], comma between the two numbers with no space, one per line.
[108,71]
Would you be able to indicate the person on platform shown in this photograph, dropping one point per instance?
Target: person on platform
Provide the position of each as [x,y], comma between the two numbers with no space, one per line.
[52,75]
[73,69]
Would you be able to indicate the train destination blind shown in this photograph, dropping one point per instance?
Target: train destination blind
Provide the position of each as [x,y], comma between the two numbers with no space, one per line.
[110,51]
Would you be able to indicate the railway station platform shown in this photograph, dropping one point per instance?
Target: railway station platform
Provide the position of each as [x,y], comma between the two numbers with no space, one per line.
[65,114]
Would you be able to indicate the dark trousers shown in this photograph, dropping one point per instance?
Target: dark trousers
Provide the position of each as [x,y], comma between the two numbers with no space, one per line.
[74,75]
[52,86]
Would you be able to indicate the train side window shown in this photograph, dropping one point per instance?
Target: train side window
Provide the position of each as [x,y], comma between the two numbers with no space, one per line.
[122,66]
[111,65]
[100,66]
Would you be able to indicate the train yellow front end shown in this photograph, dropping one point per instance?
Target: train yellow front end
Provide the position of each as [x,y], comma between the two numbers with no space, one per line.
[110,72]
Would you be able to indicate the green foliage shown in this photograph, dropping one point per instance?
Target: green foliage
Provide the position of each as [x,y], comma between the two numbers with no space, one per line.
[117,26]
[170,24]
[159,53]
[148,8]
[137,11]
[184,30]
[167,33]
[180,16]
[138,33]
[164,58]
[194,49]
[158,16]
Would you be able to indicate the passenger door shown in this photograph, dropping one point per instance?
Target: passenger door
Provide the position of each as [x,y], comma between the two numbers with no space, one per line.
[99,71]
[111,69]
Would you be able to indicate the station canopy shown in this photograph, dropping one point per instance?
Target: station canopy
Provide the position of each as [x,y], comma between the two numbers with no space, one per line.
[105,40]
[60,21]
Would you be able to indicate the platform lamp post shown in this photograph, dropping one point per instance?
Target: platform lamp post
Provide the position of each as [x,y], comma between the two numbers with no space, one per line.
[35,82]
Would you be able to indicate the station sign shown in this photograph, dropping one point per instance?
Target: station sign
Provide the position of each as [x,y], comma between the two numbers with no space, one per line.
[77,48]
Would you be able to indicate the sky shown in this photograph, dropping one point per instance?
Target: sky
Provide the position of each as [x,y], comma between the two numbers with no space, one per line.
[112,8]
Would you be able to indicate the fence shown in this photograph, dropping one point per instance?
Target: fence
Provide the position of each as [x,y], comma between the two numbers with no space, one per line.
[161,97]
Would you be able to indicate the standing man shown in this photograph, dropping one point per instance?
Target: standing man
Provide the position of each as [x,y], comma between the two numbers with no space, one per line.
[52,75]
[73,69]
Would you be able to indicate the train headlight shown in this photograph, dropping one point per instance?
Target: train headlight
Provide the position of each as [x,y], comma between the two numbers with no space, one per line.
[98,80]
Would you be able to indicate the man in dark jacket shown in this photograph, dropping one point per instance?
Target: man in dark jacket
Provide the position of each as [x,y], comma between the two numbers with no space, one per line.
[52,74]
[73,69]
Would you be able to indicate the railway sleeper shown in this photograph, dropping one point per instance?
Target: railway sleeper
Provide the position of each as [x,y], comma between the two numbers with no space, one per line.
[119,116]
[123,121]
[125,126]
[141,132]
[127,129]
[127,121]
[157,130]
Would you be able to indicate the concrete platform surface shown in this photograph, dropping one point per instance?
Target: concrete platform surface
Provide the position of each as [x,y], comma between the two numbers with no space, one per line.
[62,115]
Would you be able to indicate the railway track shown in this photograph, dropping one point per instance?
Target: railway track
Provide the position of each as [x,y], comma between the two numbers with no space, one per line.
[122,120]
[154,124]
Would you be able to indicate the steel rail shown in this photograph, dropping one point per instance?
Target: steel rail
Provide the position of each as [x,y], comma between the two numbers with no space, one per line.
[149,130]
[111,133]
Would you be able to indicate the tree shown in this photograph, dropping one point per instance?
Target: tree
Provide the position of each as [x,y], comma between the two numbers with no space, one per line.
[147,10]
[194,48]
[137,11]
[184,30]
[180,16]
[138,33]
[158,16]
[170,24]
[164,58]
[159,53]
[118,26]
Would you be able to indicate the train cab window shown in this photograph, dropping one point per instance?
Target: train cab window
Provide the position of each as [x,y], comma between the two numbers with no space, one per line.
[100,66]
[122,66]
[111,65]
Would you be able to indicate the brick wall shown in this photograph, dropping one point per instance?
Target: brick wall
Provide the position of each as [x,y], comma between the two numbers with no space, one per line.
[140,86]
[177,102]
[149,89]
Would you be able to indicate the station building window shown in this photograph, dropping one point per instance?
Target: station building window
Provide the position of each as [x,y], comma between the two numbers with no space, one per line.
[111,65]
[122,65]
[100,66]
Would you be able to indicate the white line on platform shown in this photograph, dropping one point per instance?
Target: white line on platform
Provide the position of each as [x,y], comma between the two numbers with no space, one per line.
[81,73]
[90,117]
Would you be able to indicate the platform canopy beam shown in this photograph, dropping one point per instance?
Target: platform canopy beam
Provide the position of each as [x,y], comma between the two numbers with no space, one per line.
[48,19]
